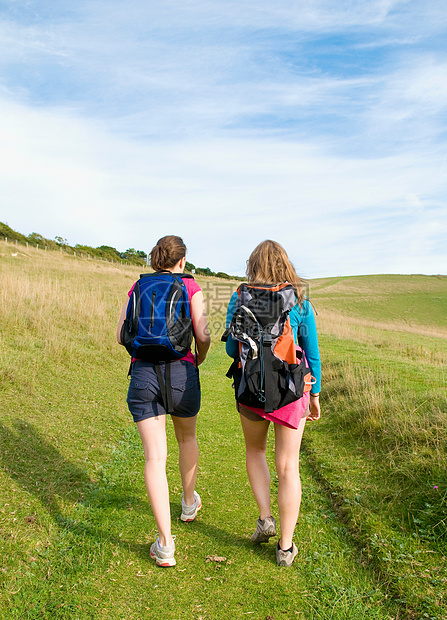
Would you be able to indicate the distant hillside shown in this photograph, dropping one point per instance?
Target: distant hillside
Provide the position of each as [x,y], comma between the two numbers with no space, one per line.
[412,299]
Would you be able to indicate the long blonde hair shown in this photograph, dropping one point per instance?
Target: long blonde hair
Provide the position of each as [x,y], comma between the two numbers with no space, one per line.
[269,264]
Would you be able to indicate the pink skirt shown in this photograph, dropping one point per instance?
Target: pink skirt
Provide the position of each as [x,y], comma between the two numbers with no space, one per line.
[289,416]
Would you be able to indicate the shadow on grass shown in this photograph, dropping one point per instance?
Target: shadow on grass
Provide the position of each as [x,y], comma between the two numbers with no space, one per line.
[42,471]
[225,538]
[29,459]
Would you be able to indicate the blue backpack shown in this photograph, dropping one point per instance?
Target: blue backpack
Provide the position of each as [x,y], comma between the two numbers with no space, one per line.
[158,325]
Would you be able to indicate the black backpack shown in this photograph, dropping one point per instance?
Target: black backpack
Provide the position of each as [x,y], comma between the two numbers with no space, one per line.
[271,370]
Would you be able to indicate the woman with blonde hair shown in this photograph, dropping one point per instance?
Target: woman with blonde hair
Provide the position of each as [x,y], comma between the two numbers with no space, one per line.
[148,405]
[269,265]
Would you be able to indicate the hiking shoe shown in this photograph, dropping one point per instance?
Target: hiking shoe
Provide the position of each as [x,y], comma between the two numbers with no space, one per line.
[265,528]
[189,513]
[285,558]
[163,556]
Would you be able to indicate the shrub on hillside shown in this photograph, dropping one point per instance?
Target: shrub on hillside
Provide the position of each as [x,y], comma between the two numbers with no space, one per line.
[38,240]
[136,257]
[104,251]
[204,271]
[8,233]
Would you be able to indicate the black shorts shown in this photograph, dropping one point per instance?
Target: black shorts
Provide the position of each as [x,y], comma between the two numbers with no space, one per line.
[144,397]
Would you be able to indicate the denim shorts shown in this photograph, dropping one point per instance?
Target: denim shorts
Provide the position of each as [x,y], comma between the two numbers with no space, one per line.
[144,397]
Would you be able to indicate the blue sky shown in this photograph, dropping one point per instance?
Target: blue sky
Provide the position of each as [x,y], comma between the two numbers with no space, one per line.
[319,124]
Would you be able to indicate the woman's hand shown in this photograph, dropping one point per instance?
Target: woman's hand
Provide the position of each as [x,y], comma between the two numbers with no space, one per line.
[314,407]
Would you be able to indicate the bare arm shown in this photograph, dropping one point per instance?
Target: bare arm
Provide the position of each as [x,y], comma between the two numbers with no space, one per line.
[120,323]
[201,331]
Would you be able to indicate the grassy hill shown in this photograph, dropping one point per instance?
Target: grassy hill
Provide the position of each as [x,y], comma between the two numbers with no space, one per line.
[414,300]
[75,523]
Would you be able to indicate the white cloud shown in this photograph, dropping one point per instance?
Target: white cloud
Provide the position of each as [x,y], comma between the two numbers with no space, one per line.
[68,178]
[317,123]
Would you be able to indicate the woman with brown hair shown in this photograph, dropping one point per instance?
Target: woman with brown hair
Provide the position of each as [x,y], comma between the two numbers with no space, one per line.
[269,265]
[147,405]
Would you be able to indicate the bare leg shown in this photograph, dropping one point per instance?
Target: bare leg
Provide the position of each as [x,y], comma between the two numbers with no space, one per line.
[153,435]
[255,434]
[287,454]
[185,432]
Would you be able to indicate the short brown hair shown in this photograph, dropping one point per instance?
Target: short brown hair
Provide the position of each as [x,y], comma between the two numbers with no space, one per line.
[269,264]
[167,253]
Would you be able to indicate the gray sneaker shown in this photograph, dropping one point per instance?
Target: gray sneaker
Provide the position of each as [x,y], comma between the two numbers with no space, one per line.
[285,558]
[189,513]
[265,528]
[163,556]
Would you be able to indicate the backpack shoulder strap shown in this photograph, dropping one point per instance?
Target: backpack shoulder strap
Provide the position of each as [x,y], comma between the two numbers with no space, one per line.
[181,274]
[167,273]
[150,275]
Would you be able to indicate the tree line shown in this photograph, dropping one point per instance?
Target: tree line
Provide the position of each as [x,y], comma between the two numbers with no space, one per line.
[103,252]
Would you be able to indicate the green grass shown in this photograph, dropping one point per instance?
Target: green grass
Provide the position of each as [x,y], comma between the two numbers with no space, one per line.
[75,522]
[412,300]
[93,560]
[380,447]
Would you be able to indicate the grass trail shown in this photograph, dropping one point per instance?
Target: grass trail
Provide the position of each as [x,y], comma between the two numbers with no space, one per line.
[96,562]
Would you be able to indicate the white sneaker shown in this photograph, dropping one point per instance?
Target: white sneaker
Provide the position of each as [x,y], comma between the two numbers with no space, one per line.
[285,558]
[189,513]
[265,528]
[164,556]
